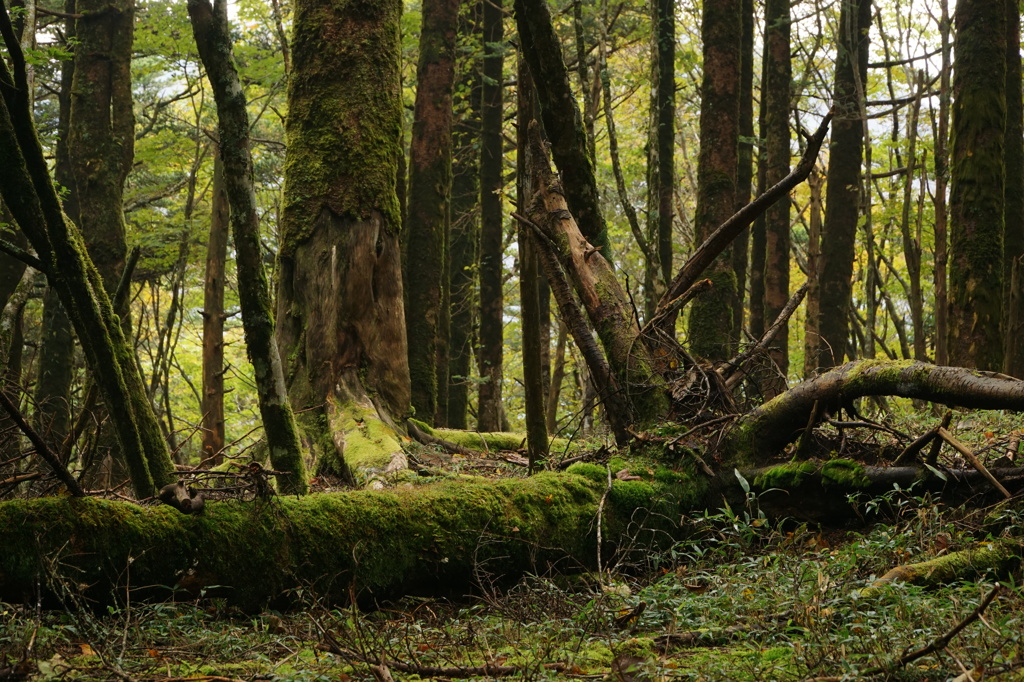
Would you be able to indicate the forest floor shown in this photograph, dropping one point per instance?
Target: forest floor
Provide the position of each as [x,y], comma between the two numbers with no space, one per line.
[743,598]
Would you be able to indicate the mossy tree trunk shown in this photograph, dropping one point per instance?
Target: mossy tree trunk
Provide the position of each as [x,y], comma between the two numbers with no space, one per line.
[775,100]
[428,218]
[341,322]
[764,431]
[210,26]
[710,325]
[976,184]
[465,232]
[491,359]
[842,193]
[28,191]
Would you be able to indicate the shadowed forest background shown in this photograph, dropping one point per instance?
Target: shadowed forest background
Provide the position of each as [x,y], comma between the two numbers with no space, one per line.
[515,288]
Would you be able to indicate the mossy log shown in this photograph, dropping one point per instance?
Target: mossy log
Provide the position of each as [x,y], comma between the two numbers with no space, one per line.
[437,539]
[995,556]
[764,431]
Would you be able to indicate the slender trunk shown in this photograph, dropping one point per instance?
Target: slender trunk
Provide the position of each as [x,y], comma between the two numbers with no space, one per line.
[911,245]
[758,239]
[1013,209]
[465,234]
[529,278]
[213,319]
[492,219]
[815,182]
[563,124]
[941,183]
[775,100]
[210,25]
[745,171]
[428,219]
[557,374]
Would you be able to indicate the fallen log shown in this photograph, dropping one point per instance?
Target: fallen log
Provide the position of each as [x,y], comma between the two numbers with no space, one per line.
[436,538]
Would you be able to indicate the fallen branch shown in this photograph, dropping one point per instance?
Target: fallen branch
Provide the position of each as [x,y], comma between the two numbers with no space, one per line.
[42,449]
[973,459]
[732,373]
[995,555]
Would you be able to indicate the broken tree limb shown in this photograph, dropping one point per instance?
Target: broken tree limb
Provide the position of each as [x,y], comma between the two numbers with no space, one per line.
[606,304]
[972,458]
[732,373]
[730,229]
[994,556]
[766,430]
[42,449]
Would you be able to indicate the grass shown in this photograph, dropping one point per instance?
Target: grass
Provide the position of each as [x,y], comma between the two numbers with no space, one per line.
[767,601]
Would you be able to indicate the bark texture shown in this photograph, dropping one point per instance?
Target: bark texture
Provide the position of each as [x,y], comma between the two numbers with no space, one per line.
[843,191]
[489,414]
[341,322]
[213,317]
[711,334]
[1013,208]
[428,218]
[976,184]
[210,25]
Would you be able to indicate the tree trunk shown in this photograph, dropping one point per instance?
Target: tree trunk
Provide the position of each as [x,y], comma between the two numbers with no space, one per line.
[529,277]
[1013,208]
[710,324]
[811,314]
[465,233]
[28,191]
[661,159]
[912,243]
[976,185]
[341,322]
[428,218]
[212,405]
[941,213]
[213,39]
[843,191]
[489,409]
[775,100]
[560,114]
[745,170]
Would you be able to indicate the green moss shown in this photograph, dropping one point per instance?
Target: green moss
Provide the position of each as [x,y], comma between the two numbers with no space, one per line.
[784,476]
[640,647]
[594,472]
[844,473]
[632,494]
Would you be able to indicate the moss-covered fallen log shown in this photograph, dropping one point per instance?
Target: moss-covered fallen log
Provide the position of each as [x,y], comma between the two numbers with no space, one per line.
[437,538]
[995,556]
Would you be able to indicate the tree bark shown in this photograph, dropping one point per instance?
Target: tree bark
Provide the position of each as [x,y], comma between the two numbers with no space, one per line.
[563,124]
[210,25]
[775,100]
[745,170]
[843,191]
[661,159]
[465,233]
[941,182]
[428,219]
[811,312]
[212,405]
[976,185]
[341,322]
[1013,207]
[710,324]
[489,409]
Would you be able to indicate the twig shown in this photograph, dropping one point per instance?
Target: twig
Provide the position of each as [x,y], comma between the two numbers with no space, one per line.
[42,449]
[973,459]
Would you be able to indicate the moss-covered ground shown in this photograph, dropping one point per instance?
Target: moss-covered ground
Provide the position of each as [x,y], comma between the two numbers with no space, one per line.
[742,599]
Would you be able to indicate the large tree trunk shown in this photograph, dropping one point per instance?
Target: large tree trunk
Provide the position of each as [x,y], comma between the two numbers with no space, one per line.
[428,218]
[976,185]
[842,194]
[213,39]
[489,409]
[710,324]
[341,323]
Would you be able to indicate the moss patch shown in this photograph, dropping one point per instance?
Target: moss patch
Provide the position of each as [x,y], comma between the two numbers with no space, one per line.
[844,473]
[784,476]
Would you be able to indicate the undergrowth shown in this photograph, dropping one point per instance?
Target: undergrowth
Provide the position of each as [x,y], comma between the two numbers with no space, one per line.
[742,599]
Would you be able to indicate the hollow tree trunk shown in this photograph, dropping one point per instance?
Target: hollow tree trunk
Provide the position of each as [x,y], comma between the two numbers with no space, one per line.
[341,322]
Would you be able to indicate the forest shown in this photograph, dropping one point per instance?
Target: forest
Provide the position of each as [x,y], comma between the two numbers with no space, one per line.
[542,339]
